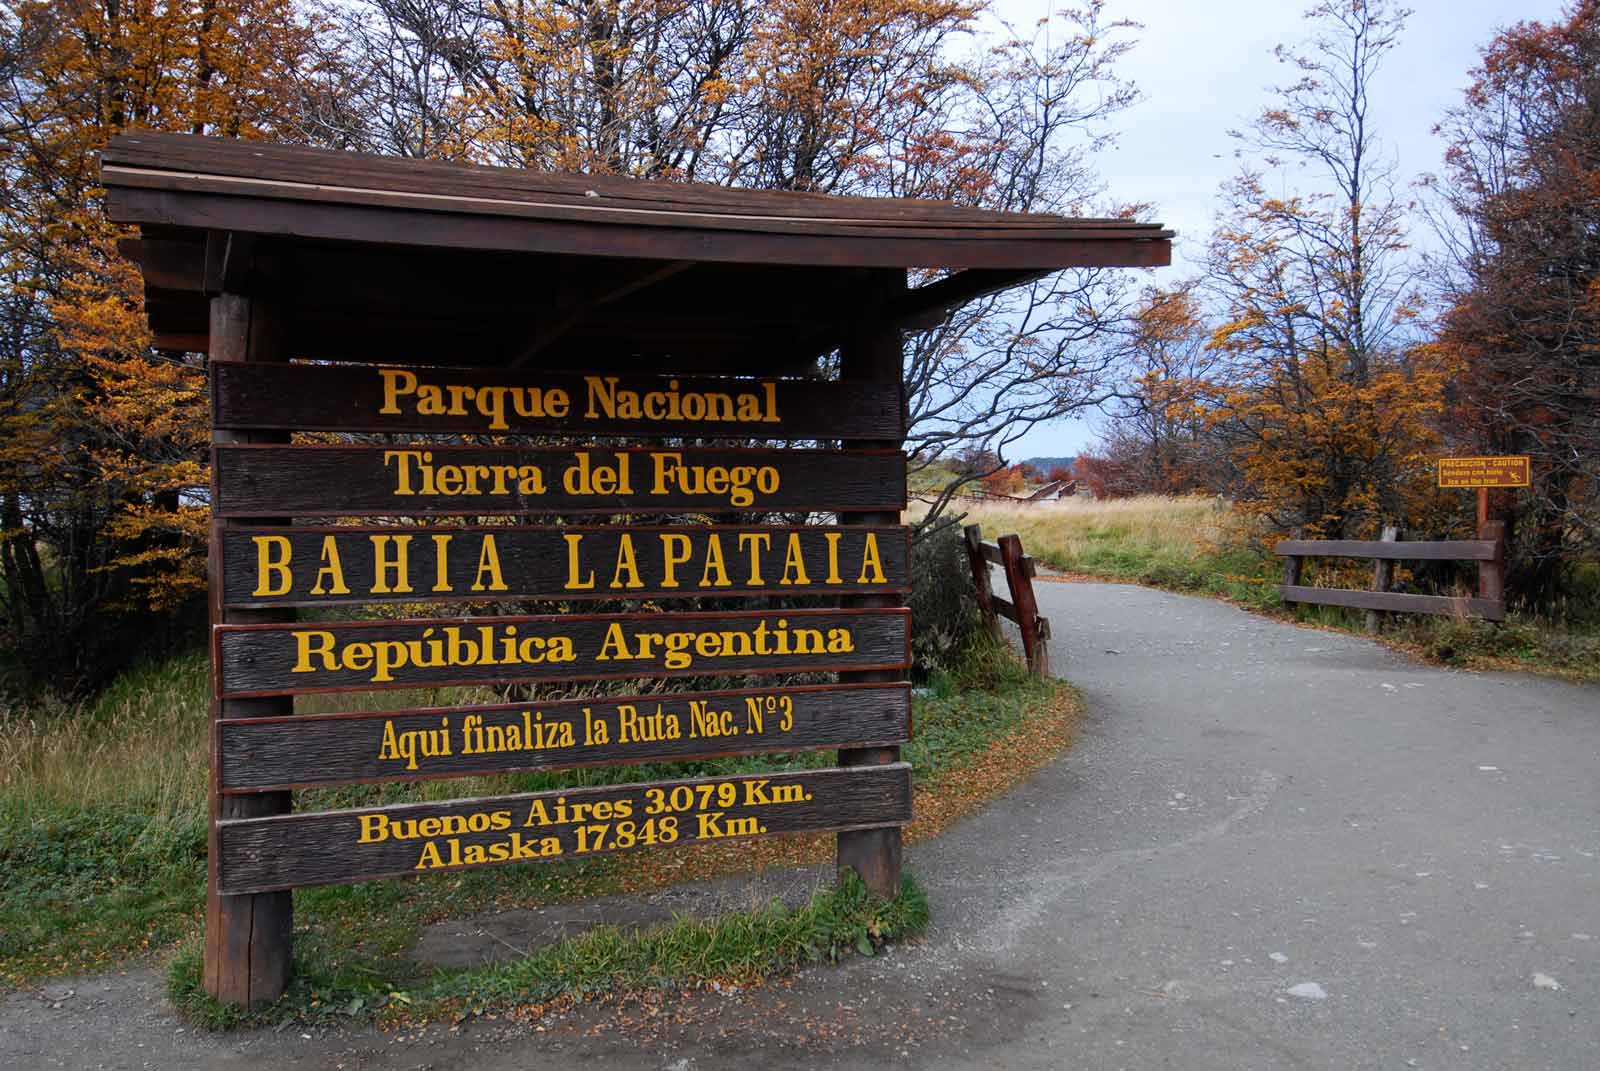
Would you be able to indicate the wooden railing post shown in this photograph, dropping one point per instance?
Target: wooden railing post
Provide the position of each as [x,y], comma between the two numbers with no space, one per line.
[1382,578]
[1027,609]
[981,579]
[1293,564]
[1492,572]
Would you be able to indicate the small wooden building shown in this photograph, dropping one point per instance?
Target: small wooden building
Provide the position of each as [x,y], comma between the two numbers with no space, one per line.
[266,253]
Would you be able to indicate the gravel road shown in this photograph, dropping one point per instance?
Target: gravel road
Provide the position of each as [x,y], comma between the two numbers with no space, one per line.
[1271,848]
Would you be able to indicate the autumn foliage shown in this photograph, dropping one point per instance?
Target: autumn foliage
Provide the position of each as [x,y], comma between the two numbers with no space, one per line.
[101,438]
[102,481]
[1522,282]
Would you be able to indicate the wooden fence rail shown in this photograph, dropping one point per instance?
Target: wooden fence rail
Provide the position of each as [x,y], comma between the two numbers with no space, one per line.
[1488,550]
[1021,608]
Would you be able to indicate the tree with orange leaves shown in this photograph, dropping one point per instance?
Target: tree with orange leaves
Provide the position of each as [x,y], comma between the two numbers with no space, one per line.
[869,98]
[1326,404]
[1522,282]
[101,438]
[1158,440]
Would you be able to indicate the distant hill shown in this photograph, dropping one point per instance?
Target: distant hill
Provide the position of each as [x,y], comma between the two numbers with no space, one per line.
[1045,464]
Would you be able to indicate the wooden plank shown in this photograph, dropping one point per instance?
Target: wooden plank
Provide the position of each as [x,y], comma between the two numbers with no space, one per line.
[1492,570]
[1432,550]
[148,150]
[332,565]
[991,552]
[982,580]
[1396,602]
[1382,577]
[356,655]
[1006,608]
[928,305]
[1026,607]
[249,948]
[356,845]
[755,220]
[409,226]
[314,750]
[445,400]
[872,352]
[413,480]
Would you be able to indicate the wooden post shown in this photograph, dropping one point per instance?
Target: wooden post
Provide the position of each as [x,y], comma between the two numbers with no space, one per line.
[1492,574]
[874,353]
[1293,564]
[982,580]
[248,939]
[1027,607]
[1382,577]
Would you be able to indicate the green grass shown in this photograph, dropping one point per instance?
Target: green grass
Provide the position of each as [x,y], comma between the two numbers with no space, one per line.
[688,952]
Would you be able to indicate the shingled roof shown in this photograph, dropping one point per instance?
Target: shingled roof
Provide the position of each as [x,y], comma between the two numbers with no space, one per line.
[485,254]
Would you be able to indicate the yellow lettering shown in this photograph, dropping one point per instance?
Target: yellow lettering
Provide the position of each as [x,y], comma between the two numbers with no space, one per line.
[675,550]
[871,562]
[751,541]
[833,557]
[794,564]
[626,562]
[309,645]
[574,582]
[489,562]
[714,562]
[395,383]
[441,562]
[383,565]
[332,571]
[269,565]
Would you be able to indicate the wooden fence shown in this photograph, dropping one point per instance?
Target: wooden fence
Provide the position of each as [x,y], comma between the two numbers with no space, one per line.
[1488,550]
[1021,607]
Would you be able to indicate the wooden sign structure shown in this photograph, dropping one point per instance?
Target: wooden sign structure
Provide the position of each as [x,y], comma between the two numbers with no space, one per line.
[1512,471]
[270,566]
[1485,474]
[420,372]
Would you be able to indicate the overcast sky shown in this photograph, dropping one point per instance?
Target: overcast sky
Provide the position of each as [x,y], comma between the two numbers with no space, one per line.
[1204,67]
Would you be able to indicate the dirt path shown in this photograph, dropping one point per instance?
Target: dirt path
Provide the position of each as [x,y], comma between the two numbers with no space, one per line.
[1271,848]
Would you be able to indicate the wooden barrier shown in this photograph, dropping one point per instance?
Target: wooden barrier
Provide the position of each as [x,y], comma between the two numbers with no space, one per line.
[1488,550]
[1021,608]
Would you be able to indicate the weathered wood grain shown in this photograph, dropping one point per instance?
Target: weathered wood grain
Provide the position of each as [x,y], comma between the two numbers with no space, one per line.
[369,398]
[299,566]
[1432,550]
[339,749]
[344,846]
[1489,609]
[383,481]
[425,653]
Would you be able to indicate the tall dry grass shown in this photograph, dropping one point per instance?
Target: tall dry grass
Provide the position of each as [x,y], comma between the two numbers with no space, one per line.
[1192,542]
[1119,535]
[142,745]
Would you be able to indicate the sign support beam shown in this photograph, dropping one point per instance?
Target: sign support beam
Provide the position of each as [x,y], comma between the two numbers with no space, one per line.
[874,354]
[248,938]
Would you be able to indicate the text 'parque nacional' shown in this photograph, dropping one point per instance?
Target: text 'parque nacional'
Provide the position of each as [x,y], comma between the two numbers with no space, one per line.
[535,401]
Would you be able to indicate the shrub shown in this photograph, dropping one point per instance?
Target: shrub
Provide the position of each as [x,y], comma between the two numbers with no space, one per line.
[944,605]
